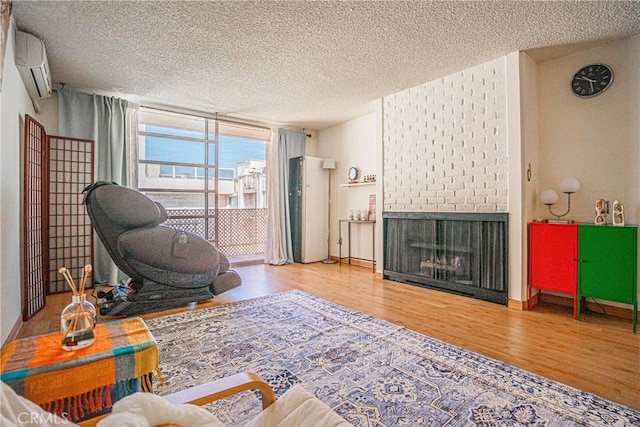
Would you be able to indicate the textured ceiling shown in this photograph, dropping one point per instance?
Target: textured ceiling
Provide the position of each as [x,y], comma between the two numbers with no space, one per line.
[306,64]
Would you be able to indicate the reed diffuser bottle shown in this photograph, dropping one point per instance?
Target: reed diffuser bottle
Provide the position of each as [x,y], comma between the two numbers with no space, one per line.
[77,322]
[78,318]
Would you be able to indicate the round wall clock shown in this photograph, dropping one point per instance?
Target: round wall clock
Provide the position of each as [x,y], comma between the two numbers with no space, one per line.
[353,173]
[591,80]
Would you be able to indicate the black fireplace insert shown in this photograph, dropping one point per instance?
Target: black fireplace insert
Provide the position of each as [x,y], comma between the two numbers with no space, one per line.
[463,253]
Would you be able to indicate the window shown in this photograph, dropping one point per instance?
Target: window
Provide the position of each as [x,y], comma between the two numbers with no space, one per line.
[175,154]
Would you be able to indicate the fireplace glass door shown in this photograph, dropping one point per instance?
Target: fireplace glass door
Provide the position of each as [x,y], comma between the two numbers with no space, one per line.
[465,256]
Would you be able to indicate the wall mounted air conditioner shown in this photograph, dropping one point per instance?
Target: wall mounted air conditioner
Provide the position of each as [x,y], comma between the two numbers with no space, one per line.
[31,60]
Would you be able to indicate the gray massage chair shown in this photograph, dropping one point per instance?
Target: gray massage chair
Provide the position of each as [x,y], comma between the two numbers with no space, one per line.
[167,267]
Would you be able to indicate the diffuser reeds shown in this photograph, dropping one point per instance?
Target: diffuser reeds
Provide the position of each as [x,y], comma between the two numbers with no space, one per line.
[78,318]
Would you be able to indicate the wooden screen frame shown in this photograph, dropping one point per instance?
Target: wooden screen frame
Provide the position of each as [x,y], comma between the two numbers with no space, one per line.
[35,218]
[70,239]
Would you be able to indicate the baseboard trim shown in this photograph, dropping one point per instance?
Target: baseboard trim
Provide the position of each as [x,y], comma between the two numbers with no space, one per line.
[13,333]
[357,262]
[517,305]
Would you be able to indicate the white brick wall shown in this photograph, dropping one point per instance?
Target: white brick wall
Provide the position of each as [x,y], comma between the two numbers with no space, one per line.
[445,144]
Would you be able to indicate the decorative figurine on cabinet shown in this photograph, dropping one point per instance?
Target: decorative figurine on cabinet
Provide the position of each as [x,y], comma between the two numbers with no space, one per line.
[601,212]
[618,213]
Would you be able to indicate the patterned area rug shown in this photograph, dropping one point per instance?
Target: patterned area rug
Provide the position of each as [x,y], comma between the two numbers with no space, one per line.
[371,372]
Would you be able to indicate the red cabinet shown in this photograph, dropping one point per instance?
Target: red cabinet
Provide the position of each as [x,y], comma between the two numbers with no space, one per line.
[553,250]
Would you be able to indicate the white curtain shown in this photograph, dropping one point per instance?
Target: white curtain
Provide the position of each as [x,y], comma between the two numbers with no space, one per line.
[103,119]
[284,145]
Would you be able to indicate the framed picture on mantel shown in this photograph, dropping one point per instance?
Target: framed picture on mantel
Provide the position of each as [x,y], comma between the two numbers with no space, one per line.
[372,207]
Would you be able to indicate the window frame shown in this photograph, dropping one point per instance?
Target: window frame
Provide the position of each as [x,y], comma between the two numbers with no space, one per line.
[211,140]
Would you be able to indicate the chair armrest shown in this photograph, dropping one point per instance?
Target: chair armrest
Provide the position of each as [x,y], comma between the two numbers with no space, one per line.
[224,387]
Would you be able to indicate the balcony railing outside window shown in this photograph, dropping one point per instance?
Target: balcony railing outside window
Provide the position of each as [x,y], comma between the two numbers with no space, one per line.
[242,231]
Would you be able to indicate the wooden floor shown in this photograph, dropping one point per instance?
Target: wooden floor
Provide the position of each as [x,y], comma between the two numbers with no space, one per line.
[598,354]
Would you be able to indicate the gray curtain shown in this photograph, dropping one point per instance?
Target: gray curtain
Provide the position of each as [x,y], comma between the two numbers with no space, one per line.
[103,119]
[285,144]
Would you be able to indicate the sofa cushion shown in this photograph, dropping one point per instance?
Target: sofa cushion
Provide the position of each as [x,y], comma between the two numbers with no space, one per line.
[148,410]
[297,407]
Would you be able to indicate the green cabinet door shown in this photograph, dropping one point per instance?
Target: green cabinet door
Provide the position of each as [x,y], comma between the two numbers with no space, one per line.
[607,258]
[607,265]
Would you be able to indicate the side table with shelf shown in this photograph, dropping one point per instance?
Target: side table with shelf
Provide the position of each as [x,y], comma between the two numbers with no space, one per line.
[349,222]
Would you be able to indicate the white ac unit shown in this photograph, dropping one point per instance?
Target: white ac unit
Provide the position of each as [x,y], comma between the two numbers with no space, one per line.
[31,60]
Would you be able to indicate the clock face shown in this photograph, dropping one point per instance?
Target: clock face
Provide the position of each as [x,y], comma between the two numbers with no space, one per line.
[353,173]
[591,80]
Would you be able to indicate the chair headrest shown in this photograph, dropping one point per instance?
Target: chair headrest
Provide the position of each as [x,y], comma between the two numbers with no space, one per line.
[128,208]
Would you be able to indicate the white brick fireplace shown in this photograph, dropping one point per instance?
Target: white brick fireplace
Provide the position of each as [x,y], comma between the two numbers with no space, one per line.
[445,151]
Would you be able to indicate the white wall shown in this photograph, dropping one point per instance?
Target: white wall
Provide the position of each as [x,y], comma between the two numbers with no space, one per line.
[529,170]
[352,143]
[517,225]
[595,140]
[15,103]
[529,134]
